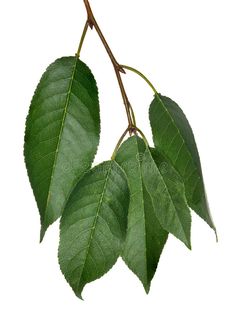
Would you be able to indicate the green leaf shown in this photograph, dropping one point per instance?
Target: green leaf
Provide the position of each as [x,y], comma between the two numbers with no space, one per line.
[173,135]
[62,134]
[93,225]
[145,237]
[166,190]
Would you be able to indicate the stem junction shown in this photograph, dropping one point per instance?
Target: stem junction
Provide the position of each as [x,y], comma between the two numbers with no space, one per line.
[132,128]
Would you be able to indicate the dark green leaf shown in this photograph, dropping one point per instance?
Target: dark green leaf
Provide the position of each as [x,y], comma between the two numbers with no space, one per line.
[174,136]
[145,237]
[93,225]
[62,134]
[166,190]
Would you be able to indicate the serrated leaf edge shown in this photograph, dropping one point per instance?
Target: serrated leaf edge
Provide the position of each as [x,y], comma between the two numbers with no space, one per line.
[186,241]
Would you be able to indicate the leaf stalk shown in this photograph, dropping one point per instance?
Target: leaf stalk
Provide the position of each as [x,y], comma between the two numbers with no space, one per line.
[119,143]
[134,130]
[141,75]
[82,39]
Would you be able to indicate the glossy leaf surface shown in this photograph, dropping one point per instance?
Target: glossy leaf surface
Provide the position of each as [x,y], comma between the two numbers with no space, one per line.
[145,237]
[173,135]
[166,190]
[62,134]
[93,225]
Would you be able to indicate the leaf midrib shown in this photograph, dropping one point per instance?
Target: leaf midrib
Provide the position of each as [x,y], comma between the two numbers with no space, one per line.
[61,132]
[95,220]
[144,214]
[173,122]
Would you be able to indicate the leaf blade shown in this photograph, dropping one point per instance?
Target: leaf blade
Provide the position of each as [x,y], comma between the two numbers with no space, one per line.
[167,193]
[145,237]
[62,134]
[93,225]
[173,135]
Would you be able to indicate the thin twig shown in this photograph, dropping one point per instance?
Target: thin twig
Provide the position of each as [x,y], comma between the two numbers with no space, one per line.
[91,21]
[132,115]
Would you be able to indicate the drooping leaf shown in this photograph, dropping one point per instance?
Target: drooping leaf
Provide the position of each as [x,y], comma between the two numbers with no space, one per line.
[62,134]
[174,137]
[166,190]
[145,237]
[93,225]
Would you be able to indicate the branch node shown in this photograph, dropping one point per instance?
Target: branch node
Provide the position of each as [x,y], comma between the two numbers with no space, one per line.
[120,68]
[90,23]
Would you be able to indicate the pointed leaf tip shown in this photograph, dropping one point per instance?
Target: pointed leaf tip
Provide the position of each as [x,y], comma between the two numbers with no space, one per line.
[145,237]
[93,225]
[42,234]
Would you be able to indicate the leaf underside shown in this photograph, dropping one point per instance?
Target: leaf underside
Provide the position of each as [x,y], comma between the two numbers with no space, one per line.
[173,135]
[145,237]
[93,225]
[62,134]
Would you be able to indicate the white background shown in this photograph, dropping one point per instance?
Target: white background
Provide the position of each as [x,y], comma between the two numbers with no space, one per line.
[187,50]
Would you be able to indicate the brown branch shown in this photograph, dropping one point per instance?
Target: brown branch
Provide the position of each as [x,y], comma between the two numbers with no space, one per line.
[117,67]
